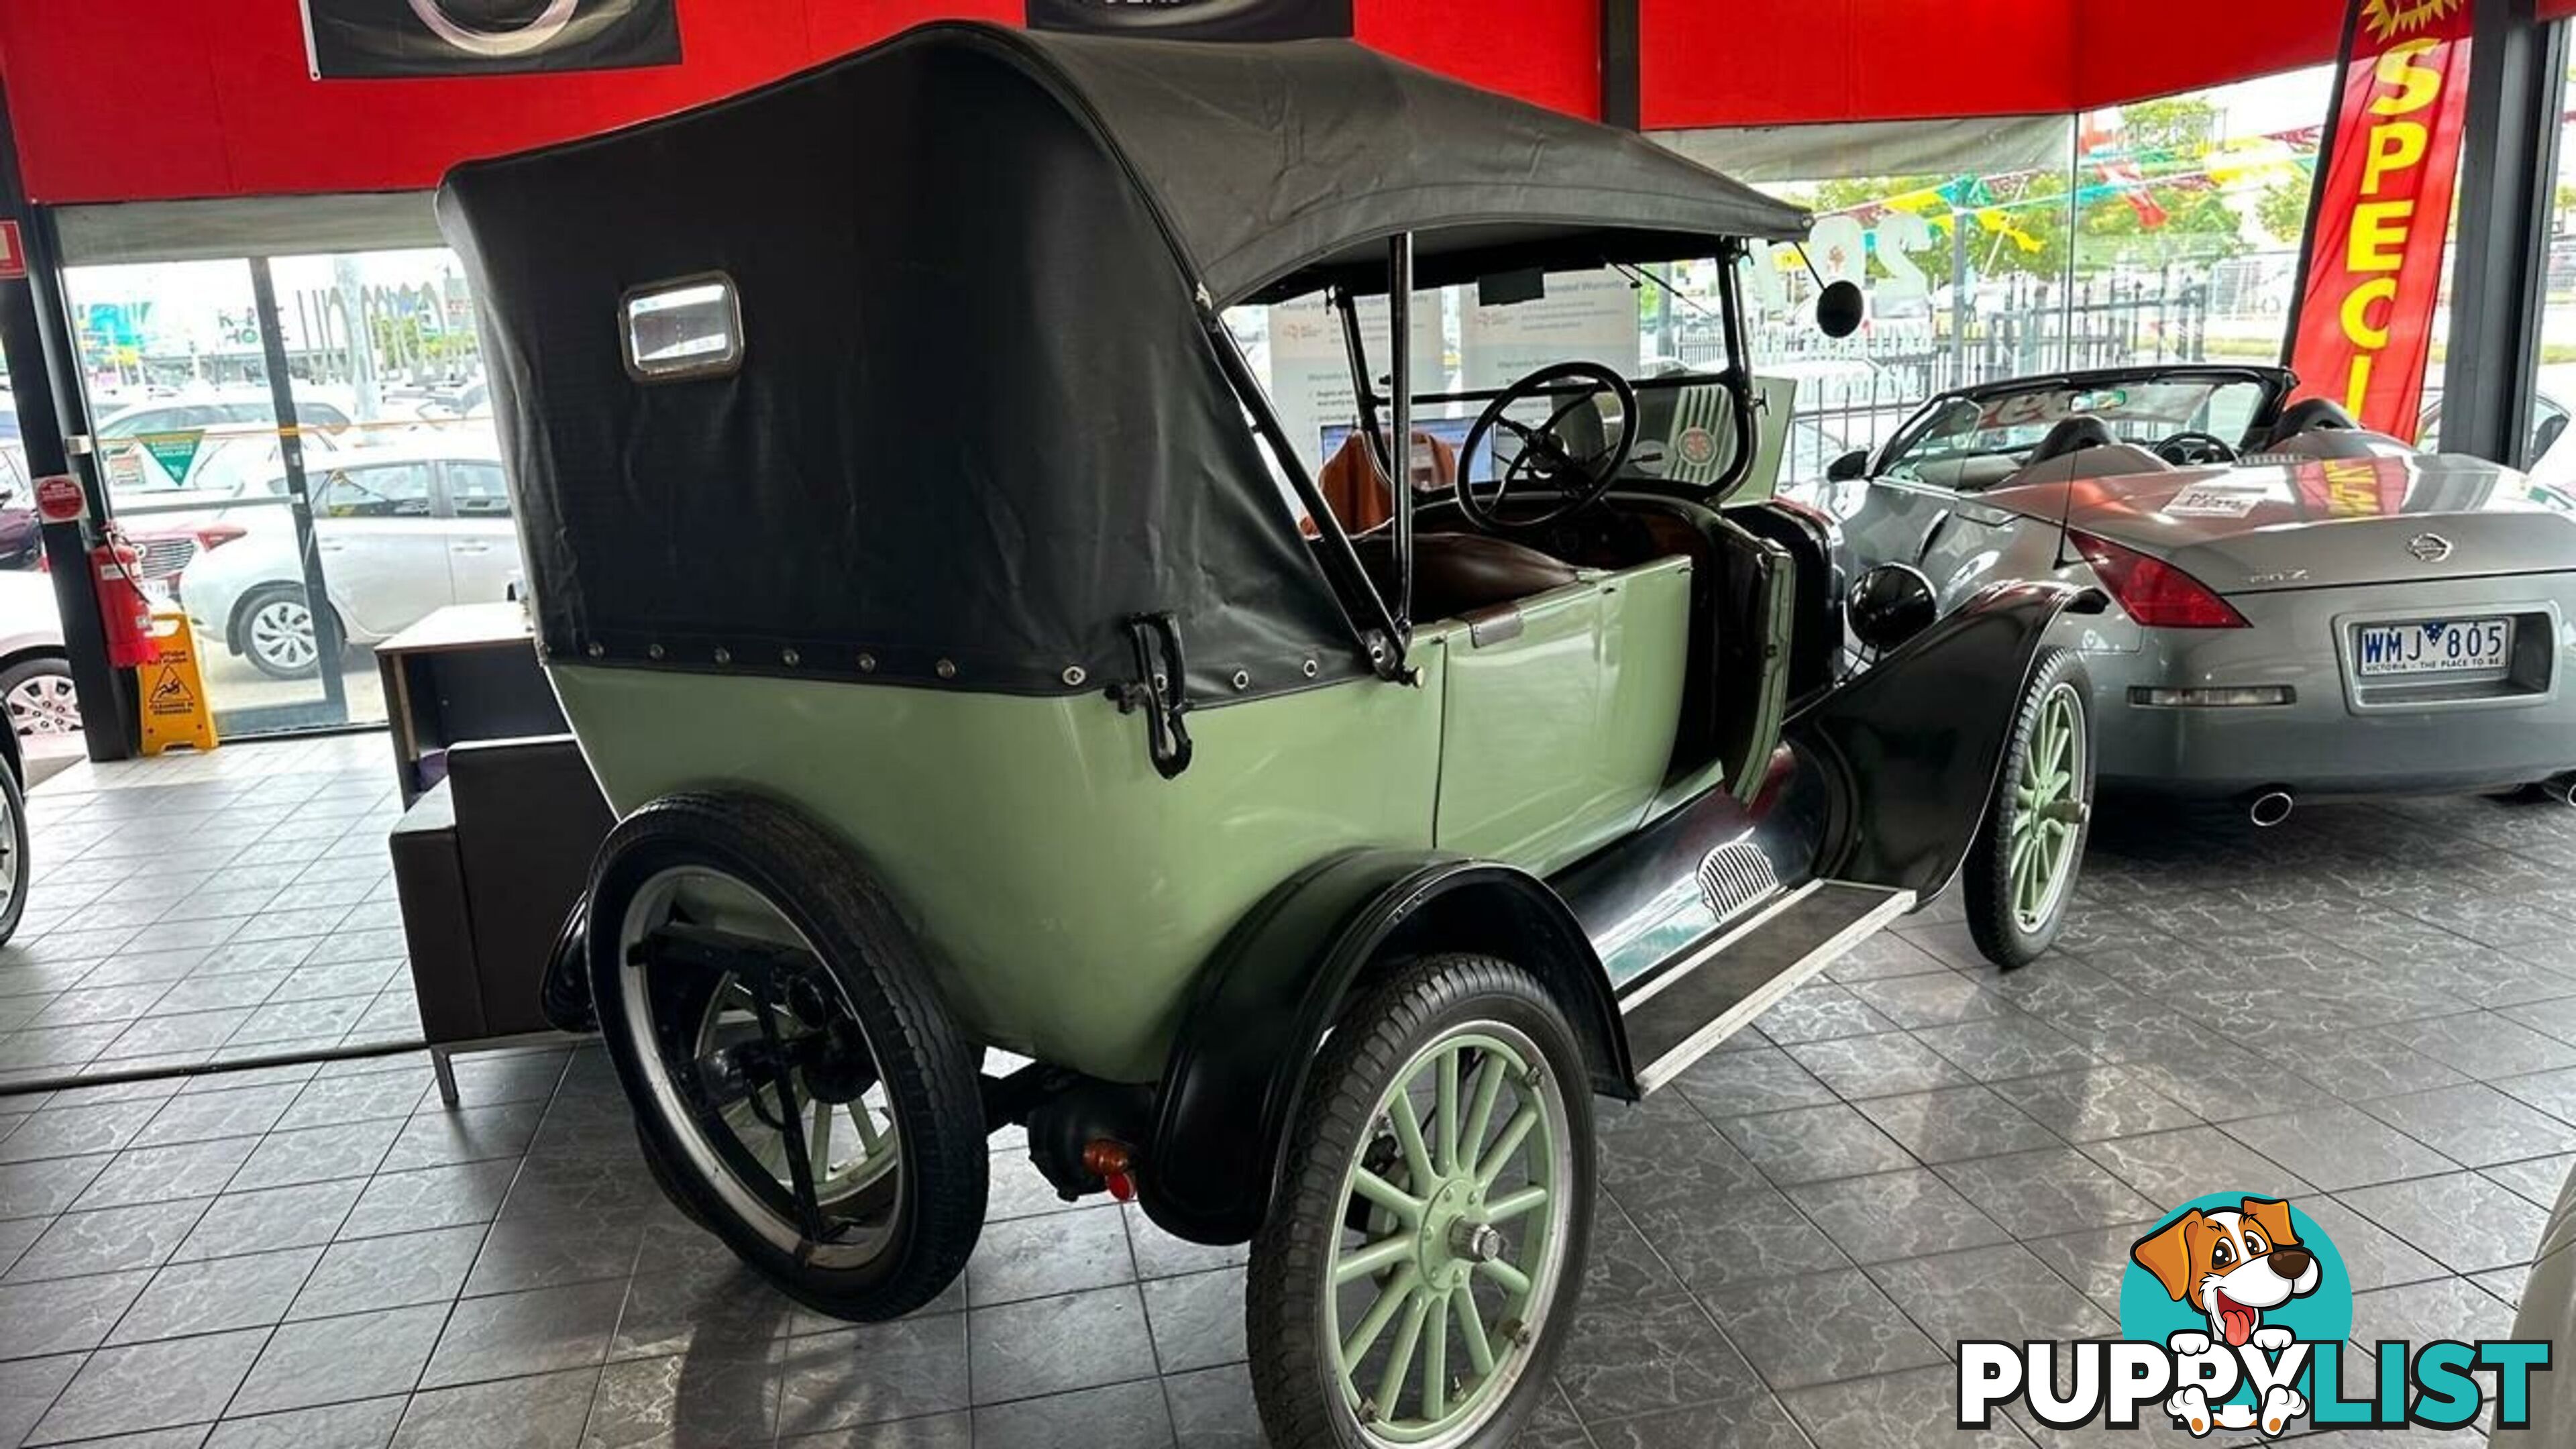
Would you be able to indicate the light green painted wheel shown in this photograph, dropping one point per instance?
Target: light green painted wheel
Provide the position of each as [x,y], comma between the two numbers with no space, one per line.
[1432,1302]
[2050,809]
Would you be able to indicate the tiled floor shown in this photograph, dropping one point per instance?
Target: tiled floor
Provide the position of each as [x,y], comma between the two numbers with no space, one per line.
[2372,1009]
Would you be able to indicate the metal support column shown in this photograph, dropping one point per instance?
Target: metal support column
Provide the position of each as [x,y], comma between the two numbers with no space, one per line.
[2508,173]
[44,380]
[1622,82]
[328,646]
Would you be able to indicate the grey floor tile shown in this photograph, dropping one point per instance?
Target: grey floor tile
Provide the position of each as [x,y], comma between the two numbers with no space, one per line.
[543,1412]
[1959,1122]
[433,1197]
[1739,1421]
[2476,1125]
[2059,1186]
[684,1399]
[16,1236]
[1052,1345]
[1761,1079]
[1213,1408]
[2000,1292]
[2462,1221]
[1160,1255]
[1044,1257]
[327,1101]
[1942,999]
[1884,1065]
[2174,1167]
[931,1431]
[285,1217]
[1715,1241]
[2539,1180]
[28,1387]
[2372,1256]
[1895,1215]
[2005,1047]
[159,1174]
[151,1386]
[2484,1045]
[1196,1320]
[917,1366]
[1812,1144]
[77,1130]
[109,1240]
[205,1116]
[1804,1331]
[366,1424]
[1818,1012]
[362,1356]
[215,1294]
[1631,1359]
[556,1249]
[699,1300]
[1134,1413]
[316,1154]
[2339,1147]
[441,1137]
[392,1272]
[538,1331]
[64,1315]
[44,1187]
[2096,1261]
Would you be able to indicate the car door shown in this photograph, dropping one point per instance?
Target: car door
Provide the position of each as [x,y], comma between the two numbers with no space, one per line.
[383,549]
[482,542]
[1559,714]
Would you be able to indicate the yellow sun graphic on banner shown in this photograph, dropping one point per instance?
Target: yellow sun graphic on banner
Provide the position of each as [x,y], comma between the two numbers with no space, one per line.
[2389,19]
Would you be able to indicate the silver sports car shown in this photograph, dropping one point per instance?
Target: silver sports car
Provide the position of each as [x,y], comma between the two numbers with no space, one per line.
[2300,608]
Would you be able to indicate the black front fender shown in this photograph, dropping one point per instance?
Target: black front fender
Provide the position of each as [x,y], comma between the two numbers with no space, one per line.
[1915,745]
[1242,1054]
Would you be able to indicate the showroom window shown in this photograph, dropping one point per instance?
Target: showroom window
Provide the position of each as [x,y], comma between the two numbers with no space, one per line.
[376,329]
[2551,457]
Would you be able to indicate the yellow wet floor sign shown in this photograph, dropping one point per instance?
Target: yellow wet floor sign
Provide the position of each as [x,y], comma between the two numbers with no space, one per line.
[174,697]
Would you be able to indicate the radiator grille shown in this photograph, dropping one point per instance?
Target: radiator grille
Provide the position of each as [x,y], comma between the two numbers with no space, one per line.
[163,557]
[1735,876]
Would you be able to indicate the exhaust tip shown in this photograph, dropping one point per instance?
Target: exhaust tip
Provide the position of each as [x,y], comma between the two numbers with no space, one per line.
[2270,808]
[2561,788]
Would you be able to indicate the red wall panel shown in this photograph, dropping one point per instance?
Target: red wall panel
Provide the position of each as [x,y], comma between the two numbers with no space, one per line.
[1779,62]
[2196,43]
[123,99]
[1546,51]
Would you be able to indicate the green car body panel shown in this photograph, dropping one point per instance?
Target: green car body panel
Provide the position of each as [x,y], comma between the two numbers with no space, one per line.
[1069,895]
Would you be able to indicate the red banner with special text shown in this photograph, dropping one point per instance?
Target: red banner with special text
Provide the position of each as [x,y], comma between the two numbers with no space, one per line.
[2362,331]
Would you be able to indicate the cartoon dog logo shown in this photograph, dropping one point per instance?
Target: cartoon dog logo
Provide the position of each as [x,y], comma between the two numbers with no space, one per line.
[2231,1266]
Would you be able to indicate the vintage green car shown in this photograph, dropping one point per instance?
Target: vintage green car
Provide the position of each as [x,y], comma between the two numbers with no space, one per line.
[928,579]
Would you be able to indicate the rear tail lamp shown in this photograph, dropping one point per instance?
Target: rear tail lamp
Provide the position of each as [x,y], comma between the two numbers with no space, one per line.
[2154,592]
[213,536]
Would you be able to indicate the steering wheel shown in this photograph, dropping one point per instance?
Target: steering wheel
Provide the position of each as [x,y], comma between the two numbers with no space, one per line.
[2194,448]
[1576,470]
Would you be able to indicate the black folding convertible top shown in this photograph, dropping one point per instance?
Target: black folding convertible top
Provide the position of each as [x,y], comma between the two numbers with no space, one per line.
[978,420]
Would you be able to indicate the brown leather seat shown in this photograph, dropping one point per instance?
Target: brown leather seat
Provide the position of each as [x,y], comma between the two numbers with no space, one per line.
[1456,574]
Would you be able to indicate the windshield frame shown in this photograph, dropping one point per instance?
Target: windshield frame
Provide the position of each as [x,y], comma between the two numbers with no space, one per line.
[2276,384]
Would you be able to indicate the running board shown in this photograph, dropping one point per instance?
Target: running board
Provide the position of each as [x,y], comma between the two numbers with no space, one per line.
[1717,986]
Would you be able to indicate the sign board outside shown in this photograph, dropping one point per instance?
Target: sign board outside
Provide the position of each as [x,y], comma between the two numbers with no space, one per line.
[351,39]
[1197,19]
[2362,325]
[175,452]
[59,499]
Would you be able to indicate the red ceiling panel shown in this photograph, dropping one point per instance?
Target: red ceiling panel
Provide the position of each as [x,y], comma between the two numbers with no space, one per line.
[122,99]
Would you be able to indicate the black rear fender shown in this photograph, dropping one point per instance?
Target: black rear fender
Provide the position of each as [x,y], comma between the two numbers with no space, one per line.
[1263,1005]
[1914,745]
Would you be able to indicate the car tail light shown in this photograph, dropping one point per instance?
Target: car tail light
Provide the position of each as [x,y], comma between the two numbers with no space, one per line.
[2154,592]
[213,536]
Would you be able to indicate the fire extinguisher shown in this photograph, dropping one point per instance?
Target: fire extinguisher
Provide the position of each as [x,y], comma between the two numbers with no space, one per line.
[116,567]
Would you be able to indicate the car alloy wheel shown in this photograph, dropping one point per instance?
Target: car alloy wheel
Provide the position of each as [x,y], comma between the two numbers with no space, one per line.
[281,635]
[44,703]
[2048,820]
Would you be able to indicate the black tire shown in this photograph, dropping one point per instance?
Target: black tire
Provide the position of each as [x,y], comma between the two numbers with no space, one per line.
[238,635]
[2002,932]
[667,1178]
[1295,1383]
[19,867]
[935,1202]
[25,717]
